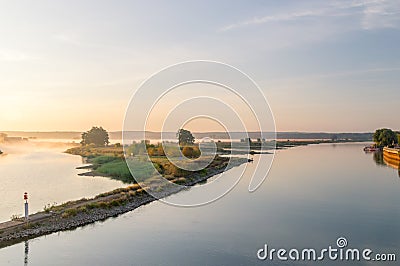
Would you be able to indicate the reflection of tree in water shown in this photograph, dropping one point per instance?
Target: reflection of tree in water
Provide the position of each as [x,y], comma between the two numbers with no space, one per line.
[378,158]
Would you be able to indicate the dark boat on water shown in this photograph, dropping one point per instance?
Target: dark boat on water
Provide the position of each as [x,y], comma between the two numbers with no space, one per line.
[371,149]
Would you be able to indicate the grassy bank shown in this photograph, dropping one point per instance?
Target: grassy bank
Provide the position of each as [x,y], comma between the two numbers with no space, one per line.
[111,166]
[91,151]
[104,161]
[110,162]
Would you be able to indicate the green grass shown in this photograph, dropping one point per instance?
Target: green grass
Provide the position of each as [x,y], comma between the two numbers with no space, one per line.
[104,159]
[116,169]
[142,169]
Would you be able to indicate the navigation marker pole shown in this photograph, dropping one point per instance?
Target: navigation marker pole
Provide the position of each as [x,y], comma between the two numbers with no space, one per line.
[26,207]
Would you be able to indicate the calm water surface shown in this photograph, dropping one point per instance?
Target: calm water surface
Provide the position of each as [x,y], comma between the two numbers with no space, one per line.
[47,174]
[313,195]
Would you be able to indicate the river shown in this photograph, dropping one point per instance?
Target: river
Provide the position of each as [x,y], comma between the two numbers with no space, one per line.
[313,195]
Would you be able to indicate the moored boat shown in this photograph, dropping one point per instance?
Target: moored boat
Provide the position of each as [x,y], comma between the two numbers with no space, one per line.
[371,149]
[391,153]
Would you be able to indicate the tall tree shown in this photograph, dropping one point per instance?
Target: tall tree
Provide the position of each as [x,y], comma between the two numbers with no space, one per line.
[385,137]
[97,136]
[185,137]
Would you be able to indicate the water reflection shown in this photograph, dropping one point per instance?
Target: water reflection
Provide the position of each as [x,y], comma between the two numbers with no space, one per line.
[378,158]
[385,161]
[392,163]
[26,259]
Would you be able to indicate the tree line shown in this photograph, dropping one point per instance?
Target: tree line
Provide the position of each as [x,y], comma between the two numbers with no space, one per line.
[98,136]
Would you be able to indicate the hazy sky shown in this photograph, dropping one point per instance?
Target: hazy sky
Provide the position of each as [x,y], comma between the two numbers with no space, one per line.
[323,65]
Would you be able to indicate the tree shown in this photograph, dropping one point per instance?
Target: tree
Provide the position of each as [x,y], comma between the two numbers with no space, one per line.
[385,137]
[97,136]
[185,137]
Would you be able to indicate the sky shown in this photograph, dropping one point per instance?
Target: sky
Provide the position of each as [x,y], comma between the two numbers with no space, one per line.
[323,65]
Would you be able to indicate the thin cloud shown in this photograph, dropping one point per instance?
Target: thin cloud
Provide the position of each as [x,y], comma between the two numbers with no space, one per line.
[357,72]
[373,14]
[381,14]
[331,75]
[274,18]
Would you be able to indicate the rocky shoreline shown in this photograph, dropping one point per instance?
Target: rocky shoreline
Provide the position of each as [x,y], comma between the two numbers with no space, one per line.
[56,222]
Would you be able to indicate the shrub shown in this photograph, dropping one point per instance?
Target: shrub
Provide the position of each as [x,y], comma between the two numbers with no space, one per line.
[69,213]
[180,180]
[169,177]
[28,226]
[203,172]
[92,205]
[191,152]
[115,203]
[103,204]
[134,187]
[82,209]
[15,217]
[50,207]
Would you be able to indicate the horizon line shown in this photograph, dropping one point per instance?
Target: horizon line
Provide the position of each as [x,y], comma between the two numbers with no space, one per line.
[149,131]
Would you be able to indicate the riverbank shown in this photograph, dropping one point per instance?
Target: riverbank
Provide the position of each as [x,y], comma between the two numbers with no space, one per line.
[255,146]
[73,214]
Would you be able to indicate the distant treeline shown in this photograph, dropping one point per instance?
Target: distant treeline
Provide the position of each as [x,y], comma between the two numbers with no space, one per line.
[200,135]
